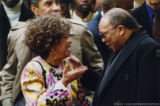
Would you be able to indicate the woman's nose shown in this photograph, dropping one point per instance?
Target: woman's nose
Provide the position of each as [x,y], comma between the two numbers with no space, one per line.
[56,8]
[69,40]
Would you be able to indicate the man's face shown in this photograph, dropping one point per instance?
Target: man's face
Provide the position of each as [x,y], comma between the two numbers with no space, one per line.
[154,4]
[110,35]
[83,5]
[10,3]
[46,6]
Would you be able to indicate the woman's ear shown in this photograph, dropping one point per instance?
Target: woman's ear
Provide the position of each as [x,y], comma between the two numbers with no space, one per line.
[34,10]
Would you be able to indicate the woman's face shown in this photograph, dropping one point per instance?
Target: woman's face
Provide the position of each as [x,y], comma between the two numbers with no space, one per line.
[62,49]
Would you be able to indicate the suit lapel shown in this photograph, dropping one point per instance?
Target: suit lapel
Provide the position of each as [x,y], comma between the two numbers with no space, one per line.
[118,61]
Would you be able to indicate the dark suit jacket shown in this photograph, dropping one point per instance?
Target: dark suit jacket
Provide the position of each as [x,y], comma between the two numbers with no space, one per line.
[93,26]
[142,17]
[4,30]
[133,75]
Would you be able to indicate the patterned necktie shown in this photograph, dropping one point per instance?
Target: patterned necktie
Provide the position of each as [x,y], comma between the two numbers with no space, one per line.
[156,26]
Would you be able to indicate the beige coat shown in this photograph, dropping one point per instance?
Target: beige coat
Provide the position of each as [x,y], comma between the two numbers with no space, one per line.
[19,54]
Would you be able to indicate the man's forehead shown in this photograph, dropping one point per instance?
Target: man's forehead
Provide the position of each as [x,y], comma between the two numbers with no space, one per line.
[104,21]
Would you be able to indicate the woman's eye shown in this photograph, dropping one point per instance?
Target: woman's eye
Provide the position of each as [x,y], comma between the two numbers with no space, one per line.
[48,3]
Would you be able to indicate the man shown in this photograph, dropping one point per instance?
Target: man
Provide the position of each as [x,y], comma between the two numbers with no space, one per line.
[11,11]
[93,24]
[19,54]
[132,74]
[83,10]
[145,13]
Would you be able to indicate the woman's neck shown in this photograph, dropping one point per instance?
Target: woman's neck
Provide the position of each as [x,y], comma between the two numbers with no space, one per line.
[53,62]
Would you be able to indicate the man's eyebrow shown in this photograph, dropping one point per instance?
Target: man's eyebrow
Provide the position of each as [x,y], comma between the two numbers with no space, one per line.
[103,32]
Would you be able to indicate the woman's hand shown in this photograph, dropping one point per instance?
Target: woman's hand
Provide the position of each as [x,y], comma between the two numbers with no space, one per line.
[74,61]
[69,76]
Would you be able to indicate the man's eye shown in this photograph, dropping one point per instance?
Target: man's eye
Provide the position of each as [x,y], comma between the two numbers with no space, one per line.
[102,35]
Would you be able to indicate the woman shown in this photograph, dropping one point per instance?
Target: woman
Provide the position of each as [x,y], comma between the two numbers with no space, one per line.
[49,78]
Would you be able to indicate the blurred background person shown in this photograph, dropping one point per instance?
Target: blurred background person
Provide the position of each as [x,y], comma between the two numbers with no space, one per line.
[42,81]
[11,11]
[148,15]
[126,4]
[83,10]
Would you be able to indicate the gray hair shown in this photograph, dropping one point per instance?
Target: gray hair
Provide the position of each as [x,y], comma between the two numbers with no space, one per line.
[118,16]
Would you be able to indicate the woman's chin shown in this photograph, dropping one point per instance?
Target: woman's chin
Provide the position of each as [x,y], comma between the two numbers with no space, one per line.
[68,55]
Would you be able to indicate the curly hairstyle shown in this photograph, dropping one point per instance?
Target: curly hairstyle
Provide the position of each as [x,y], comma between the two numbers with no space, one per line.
[45,31]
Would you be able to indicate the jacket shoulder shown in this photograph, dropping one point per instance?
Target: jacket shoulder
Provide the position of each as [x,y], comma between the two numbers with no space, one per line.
[19,25]
[17,31]
[74,21]
[139,10]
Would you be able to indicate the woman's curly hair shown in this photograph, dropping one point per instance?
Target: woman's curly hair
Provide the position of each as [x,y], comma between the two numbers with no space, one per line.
[45,31]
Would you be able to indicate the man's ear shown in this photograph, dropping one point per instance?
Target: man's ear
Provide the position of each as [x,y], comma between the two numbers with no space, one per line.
[34,10]
[121,30]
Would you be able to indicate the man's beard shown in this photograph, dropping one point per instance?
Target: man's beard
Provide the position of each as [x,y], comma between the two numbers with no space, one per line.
[85,10]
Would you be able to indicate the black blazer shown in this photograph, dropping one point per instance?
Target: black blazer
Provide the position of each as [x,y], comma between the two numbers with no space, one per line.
[4,30]
[133,75]
[142,17]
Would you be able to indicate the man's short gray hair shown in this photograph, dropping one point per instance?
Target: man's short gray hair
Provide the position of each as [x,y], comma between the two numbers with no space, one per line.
[118,16]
